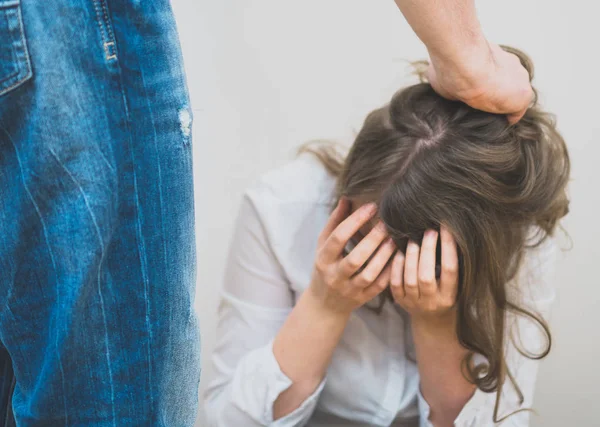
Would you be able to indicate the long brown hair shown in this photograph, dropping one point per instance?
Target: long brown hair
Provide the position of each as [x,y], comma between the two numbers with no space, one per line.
[428,161]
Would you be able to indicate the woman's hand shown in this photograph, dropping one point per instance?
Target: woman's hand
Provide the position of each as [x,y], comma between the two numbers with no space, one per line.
[431,304]
[414,284]
[341,284]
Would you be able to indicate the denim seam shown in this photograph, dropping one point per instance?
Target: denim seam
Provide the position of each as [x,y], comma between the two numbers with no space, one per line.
[141,245]
[24,42]
[23,46]
[8,4]
[111,36]
[14,43]
[104,26]
[10,77]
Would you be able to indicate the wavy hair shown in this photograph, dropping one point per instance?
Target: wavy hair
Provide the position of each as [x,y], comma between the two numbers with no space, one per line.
[428,161]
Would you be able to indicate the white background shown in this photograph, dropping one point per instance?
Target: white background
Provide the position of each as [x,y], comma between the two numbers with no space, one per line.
[267,75]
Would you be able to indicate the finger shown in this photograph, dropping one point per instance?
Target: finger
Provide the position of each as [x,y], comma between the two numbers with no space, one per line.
[427,281]
[379,285]
[375,265]
[449,274]
[365,249]
[337,240]
[515,117]
[411,264]
[337,216]
[397,276]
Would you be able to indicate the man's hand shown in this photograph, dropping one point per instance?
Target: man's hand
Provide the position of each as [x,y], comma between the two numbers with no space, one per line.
[465,66]
[491,80]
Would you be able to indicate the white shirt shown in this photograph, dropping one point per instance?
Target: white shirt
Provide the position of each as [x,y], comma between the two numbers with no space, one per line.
[370,380]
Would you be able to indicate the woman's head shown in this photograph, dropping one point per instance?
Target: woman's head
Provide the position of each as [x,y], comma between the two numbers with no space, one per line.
[428,161]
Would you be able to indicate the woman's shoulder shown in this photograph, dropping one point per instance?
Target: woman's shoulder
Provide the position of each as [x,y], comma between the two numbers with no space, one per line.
[292,204]
[303,181]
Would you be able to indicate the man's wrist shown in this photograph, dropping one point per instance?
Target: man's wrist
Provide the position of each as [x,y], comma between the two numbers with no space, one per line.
[462,50]
[467,66]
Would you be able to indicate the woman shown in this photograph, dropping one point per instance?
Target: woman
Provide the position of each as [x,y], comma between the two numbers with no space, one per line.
[421,299]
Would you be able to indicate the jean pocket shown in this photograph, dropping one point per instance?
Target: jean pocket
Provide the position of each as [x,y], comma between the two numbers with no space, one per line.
[15,67]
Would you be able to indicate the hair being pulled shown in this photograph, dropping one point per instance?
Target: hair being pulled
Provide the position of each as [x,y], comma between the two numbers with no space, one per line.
[428,161]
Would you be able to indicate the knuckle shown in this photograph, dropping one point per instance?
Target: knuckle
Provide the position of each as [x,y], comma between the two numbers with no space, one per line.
[353,263]
[427,279]
[320,266]
[368,276]
[449,268]
[336,239]
[330,281]
[382,284]
[410,283]
[360,281]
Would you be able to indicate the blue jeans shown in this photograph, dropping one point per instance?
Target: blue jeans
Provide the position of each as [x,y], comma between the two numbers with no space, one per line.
[97,252]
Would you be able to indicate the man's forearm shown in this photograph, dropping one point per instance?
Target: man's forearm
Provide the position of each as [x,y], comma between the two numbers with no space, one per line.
[449,28]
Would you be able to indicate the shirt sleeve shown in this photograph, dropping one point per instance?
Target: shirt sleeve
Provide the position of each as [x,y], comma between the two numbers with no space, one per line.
[255,301]
[533,290]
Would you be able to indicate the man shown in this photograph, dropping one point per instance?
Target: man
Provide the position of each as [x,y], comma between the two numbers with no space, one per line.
[97,259]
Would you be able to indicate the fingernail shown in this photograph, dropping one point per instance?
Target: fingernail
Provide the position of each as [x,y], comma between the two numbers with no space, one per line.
[380,226]
[371,208]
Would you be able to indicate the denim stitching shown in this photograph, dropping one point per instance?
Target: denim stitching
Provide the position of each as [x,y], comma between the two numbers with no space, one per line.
[8,78]
[139,236]
[12,40]
[107,50]
[105,29]
[111,36]
[9,4]
[24,41]
[99,21]
[23,46]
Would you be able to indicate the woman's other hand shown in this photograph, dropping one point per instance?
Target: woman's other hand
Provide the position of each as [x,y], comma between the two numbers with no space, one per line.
[414,282]
[344,283]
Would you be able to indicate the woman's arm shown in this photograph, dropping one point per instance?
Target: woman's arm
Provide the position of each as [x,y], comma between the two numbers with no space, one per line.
[433,317]
[270,357]
[465,66]
[439,358]
[256,300]
[446,398]
[304,345]
[303,348]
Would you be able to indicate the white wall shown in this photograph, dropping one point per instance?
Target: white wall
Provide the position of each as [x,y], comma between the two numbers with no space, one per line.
[266,75]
